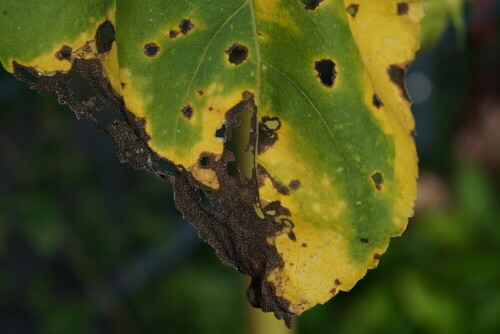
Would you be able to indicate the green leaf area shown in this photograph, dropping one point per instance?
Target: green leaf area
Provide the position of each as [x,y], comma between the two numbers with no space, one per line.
[286,124]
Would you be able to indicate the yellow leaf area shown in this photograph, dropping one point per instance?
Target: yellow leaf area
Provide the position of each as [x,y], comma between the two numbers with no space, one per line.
[387,34]
[318,261]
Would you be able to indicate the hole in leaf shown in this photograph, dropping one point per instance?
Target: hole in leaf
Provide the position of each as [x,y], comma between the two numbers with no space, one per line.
[185,26]
[233,170]
[271,123]
[151,49]
[363,240]
[187,111]
[403,8]
[378,179]
[205,201]
[166,167]
[204,161]
[326,72]
[64,53]
[311,4]
[352,9]
[237,53]
[221,132]
[104,37]
[376,101]
[26,75]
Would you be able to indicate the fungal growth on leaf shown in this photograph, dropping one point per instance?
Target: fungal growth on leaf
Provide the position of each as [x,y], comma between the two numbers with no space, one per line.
[283,126]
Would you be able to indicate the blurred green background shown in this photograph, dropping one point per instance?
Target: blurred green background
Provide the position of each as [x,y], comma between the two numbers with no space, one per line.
[88,245]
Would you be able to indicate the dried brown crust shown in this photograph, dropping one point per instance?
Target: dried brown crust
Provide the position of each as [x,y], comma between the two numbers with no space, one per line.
[230,224]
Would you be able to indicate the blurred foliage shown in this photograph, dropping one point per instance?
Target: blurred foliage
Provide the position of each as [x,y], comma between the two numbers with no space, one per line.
[438,15]
[91,246]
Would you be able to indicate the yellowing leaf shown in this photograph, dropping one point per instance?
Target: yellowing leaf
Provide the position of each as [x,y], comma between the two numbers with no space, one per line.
[284,126]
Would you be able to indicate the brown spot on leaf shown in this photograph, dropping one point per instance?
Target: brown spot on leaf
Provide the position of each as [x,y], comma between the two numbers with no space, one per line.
[294,184]
[200,92]
[403,8]
[173,34]
[364,240]
[187,111]
[378,180]
[151,49]
[292,236]
[376,256]
[304,245]
[397,75]
[333,291]
[268,134]
[123,85]
[326,72]
[262,174]
[185,26]
[64,53]
[376,101]
[237,54]
[337,282]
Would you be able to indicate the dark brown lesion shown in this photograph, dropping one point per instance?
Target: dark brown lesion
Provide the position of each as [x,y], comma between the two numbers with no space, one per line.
[402,8]
[173,34]
[397,75]
[268,133]
[187,111]
[151,49]
[64,53]
[264,174]
[294,184]
[225,217]
[185,26]
[377,102]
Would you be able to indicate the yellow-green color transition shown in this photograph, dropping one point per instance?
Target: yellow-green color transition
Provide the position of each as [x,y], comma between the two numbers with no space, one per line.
[334,143]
